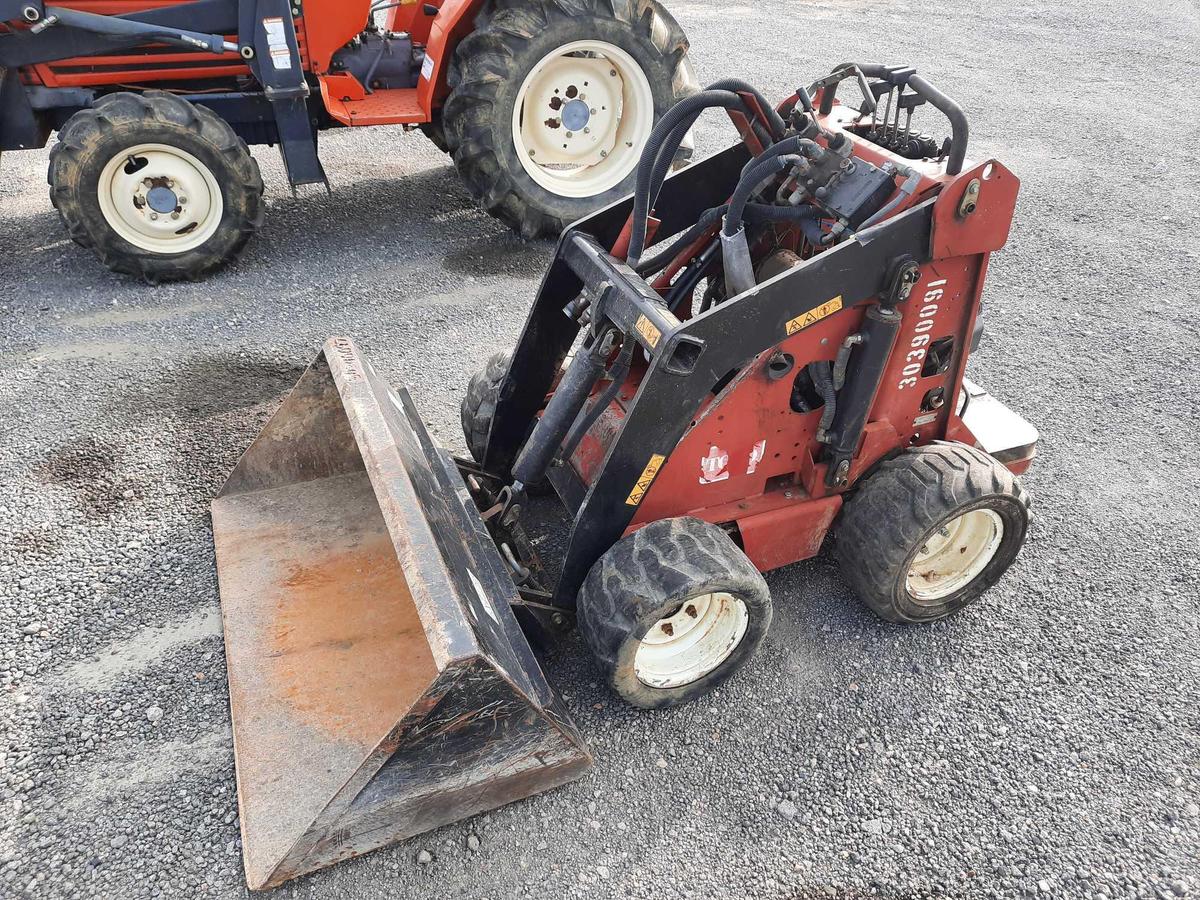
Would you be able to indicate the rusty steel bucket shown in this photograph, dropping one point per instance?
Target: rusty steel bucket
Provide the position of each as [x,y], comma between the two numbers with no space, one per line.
[378,682]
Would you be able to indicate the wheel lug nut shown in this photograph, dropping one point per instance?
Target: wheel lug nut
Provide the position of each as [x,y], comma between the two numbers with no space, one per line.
[174,215]
[182,200]
[153,217]
[570,134]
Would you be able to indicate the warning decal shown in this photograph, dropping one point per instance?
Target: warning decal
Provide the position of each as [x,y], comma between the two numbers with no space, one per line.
[649,331]
[277,43]
[645,480]
[828,308]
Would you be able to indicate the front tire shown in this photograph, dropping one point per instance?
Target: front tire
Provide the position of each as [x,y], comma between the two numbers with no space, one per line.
[552,102]
[672,611]
[930,530]
[157,187]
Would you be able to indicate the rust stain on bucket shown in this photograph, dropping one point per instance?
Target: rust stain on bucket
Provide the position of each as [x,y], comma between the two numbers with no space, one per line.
[349,653]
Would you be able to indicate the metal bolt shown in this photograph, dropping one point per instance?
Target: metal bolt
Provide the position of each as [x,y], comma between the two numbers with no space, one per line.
[668,629]
[557,618]
[533,153]
[691,610]
[612,72]
[592,111]
[153,217]
[182,200]
[587,130]
[570,134]
[174,215]
[604,154]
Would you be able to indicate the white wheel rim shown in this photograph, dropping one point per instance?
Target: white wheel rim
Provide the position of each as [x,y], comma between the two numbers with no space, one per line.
[691,642]
[954,554]
[160,198]
[581,118]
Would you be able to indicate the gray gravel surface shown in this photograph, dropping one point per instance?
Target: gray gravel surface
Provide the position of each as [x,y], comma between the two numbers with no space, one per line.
[1045,742]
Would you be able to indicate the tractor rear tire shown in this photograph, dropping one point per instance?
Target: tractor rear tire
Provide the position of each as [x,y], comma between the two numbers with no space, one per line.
[129,221]
[930,530]
[672,611]
[515,54]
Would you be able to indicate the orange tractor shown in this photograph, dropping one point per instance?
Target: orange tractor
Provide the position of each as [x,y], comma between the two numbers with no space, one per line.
[545,106]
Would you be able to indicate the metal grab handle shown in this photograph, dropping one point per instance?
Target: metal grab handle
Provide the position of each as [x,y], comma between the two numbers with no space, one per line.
[899,76]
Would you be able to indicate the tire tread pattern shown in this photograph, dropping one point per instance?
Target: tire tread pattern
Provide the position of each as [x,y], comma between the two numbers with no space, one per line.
[662,563]
[481,65]
[152,108]
[903,499]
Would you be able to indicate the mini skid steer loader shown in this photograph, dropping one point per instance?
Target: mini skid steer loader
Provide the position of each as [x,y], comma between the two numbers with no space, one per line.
[544,105]
[716,374]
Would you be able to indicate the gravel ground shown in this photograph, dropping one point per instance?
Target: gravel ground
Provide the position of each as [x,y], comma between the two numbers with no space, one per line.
[1044,742]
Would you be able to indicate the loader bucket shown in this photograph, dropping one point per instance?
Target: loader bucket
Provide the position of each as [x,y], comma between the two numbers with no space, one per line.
[379,684]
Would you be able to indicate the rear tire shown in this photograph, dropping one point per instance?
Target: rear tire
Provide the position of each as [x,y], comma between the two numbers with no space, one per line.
[502,74]
[672,611]
[155,186]
[931,530]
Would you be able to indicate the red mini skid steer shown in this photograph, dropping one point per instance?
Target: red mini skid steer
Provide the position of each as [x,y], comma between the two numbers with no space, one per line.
[545,106]
[716,374]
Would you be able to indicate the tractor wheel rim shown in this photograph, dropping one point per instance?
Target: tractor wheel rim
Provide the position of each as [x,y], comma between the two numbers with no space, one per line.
[691,642]
[954,554]
[582,117]
[160,198]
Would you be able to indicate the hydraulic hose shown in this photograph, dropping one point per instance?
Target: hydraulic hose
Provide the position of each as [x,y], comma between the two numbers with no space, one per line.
[767,164]
[650,165]
[774,121]
[707,220]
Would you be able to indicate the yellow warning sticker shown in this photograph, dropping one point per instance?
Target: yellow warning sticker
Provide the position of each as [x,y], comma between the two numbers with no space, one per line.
[828,308]
[648,330]
[645,480]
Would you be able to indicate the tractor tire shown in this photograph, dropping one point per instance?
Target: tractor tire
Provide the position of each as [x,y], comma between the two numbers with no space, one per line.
[672,611]
[930,530]
[129,221]
[521,50]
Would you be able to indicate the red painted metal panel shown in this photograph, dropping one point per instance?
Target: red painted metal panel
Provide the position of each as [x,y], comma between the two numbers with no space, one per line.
[789,534]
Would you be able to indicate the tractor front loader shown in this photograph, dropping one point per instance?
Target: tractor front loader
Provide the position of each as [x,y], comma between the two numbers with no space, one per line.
[718,374]
[545,106]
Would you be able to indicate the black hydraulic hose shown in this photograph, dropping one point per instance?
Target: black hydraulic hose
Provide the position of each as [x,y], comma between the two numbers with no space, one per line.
[646,191]
[707,220]
[774,120]
[765,212]
[822,379]
[685,285]
[774,160]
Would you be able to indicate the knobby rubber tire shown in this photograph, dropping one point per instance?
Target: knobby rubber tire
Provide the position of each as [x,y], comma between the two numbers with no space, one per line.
[479,403]
[646,576]
[91,138]
[489,67]
[902,503]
